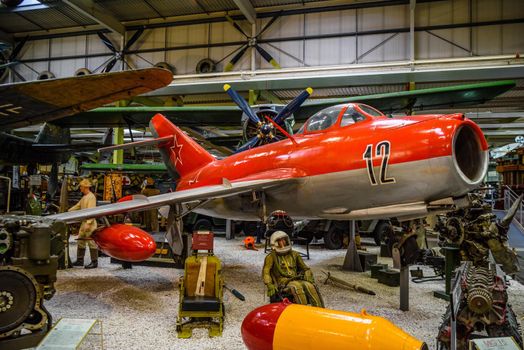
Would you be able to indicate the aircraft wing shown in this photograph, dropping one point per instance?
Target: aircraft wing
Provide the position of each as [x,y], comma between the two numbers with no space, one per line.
[136,116]
[449,96]
[34,102]
[185,196]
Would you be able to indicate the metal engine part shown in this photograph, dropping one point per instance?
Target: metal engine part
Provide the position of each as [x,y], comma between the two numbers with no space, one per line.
[483,311]
[477,230]
[30,248]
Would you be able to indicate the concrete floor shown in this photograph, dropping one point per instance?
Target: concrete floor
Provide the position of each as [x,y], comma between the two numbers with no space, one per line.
[138,307]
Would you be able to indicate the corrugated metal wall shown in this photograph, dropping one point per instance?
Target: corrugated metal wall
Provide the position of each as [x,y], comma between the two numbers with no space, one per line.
[483,40]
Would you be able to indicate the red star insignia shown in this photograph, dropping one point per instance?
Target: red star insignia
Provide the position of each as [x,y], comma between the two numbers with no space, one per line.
[176,148]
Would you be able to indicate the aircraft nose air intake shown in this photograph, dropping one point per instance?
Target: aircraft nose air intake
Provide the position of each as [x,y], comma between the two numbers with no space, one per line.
[469,156]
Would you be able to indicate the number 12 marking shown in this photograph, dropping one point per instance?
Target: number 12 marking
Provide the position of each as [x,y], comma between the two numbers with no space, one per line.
[383,150]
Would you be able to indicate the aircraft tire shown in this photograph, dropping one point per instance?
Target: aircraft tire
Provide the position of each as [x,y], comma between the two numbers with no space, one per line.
[202,225]
[334,238]
[381,232]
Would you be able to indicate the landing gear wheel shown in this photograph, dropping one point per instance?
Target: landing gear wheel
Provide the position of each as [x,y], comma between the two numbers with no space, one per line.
[333,238]
[17,299]
[407,246]
[249,228]
[409,251]
[203,225]
[381,232]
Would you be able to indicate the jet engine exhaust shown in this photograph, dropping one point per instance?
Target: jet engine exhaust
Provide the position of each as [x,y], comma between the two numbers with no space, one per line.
[470,160]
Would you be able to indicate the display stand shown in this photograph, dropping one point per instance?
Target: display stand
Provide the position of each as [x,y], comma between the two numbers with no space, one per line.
[70,333]
[455,297]
[451,261]
[352,260]
[404,288]
[404,279]
[229,230]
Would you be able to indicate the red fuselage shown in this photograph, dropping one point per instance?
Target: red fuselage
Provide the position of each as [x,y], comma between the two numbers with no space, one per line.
[375,162]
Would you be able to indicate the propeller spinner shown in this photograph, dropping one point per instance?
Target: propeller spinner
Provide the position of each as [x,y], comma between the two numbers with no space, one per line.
[271,127]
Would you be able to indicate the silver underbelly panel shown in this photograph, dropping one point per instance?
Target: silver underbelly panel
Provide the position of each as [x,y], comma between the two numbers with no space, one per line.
[338,193]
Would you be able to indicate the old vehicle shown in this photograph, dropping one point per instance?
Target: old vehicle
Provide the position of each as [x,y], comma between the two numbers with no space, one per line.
[199,222]
[335,232]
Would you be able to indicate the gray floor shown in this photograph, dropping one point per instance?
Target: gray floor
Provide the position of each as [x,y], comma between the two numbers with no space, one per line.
[138,307]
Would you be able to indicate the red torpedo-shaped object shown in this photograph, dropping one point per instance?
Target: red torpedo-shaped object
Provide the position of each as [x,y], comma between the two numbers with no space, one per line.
[286,326]
[125,242]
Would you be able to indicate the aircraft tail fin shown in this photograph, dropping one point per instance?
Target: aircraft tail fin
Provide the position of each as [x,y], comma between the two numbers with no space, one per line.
[53,134]
[181,153]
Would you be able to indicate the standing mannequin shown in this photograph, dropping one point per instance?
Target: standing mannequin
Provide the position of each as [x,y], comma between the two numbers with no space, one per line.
[86,228]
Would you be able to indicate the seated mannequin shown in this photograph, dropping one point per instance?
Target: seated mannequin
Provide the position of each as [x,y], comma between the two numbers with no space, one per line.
[285,273]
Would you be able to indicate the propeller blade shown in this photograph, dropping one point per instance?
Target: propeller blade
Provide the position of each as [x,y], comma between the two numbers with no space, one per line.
[110,65]
[267,56]
[17,49]
[244,106]
[268,24]
[292,106]
[235,24]
[235,59]
[17,74]
[8,64]
[133,39]
[106,42]
[248,145]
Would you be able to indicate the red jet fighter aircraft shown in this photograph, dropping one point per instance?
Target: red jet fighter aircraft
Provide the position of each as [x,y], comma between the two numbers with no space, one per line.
[347,162]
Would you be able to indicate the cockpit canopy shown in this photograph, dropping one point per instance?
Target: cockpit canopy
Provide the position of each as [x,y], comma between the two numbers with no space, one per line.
[347,114]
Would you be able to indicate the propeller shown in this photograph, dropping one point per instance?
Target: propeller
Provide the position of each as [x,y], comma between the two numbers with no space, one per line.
[252,42]
[10,61]
[265,125]
[118,55]
[244,106]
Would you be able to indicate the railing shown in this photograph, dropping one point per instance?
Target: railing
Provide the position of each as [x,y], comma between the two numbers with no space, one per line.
[509,198]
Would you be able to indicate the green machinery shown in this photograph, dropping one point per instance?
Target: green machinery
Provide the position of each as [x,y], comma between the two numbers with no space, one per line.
[31,251]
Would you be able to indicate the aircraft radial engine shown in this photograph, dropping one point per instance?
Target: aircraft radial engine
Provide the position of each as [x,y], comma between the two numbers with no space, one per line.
[30,251]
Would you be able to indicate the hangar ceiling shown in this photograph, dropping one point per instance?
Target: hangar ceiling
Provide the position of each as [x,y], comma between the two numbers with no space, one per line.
[54,18]
[32,16]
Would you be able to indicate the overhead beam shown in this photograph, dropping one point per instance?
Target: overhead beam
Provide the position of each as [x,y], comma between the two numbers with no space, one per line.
[503,126]
[504,133]
[494,115]
[342,76]
[247,10]
[90,9]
